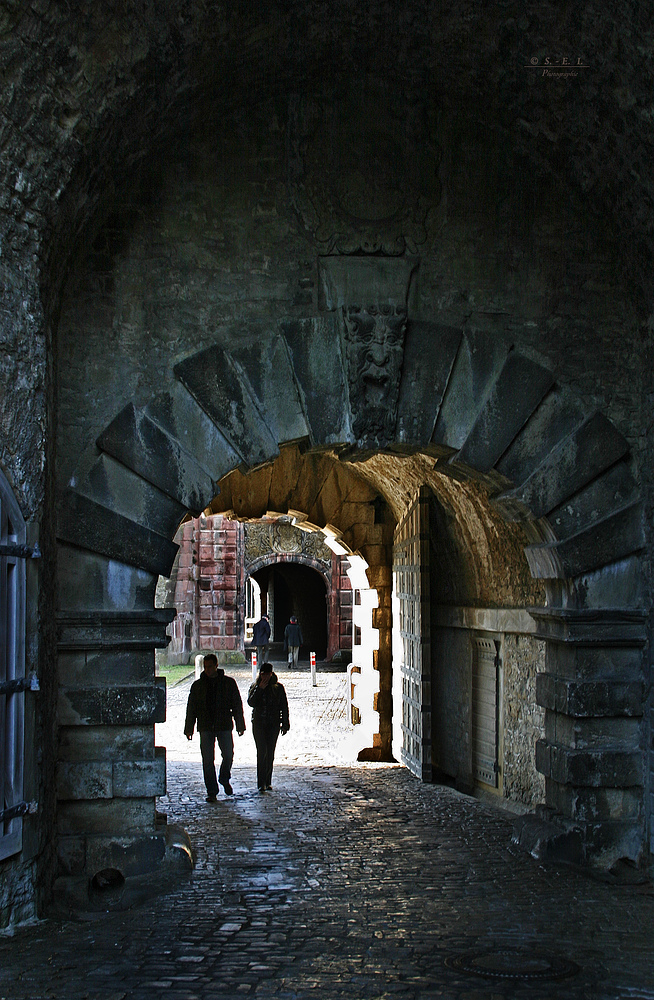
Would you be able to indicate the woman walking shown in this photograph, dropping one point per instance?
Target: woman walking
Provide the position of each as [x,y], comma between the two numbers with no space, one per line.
[269,704]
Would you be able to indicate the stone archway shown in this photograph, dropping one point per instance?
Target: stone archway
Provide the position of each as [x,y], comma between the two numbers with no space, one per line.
[481,409]
[277,544]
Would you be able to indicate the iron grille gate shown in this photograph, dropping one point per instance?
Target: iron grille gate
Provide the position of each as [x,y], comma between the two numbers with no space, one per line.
[13,683]
[411,583]
[485,710]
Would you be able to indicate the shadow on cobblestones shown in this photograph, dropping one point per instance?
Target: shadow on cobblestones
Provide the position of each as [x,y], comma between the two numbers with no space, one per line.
[347,881]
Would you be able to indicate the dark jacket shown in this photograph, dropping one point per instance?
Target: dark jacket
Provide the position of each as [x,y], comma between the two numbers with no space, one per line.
[292,635]
[269,705]
[261,633]
[214,702]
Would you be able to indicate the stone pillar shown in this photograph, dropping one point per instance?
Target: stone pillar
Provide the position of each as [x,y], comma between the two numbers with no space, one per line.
[592,755]
[345,607]
[334,610]
[380,576]
[109,771]
[219,577]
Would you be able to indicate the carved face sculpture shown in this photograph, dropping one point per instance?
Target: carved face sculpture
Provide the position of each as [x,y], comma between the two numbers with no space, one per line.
[375,348]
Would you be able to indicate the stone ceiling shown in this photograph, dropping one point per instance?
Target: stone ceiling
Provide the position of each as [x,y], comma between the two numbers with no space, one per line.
[90,89]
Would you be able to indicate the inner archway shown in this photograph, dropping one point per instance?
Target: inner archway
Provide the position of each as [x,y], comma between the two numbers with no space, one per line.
[296,590]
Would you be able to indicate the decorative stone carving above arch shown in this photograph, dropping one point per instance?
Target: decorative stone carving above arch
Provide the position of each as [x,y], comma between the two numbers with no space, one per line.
[363,171]
[265,540]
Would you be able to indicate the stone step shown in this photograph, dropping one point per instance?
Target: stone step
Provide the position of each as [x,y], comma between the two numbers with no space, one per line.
[430,351]
[111,484]
[478,363]
[134,440]
[266,367]
[178,414]
[519,388]
[315,354]
[557,416]
[607,541]
[572,464]
[87,524]
[218,386]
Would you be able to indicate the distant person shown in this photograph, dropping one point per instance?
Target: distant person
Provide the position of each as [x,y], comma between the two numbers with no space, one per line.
[261,638]
[269,704]
[214,701]
[292,641]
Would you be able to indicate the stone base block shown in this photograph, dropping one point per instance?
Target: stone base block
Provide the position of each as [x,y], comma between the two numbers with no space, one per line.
[547,840]
[105,873]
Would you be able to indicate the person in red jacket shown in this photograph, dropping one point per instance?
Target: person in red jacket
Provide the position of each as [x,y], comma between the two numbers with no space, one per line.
[215,703]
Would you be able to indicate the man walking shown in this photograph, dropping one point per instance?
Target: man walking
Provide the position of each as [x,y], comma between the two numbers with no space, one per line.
[214,701]
[261,638]
[292,641]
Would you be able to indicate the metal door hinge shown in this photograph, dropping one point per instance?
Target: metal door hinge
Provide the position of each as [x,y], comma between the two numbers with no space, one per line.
[21,809]
[20,551]
[30,683]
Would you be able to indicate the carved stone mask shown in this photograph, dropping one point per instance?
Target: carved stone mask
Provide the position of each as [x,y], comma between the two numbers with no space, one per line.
[375,346]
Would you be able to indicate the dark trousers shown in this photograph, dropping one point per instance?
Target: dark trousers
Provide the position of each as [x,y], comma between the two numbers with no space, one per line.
[208,751]
[262,655]
[265,738]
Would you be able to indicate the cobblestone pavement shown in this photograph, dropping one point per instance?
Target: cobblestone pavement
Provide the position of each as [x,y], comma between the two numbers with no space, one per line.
[347,881]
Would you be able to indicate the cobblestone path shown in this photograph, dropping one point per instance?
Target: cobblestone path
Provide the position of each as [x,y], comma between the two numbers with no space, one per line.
[347,881]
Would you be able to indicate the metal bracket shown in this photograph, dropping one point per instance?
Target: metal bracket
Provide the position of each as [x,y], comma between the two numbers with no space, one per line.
[30,683]
[20,551]
[22,809]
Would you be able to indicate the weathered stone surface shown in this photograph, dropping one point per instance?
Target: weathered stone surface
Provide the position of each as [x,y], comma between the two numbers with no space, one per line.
[87,524]
[609,540]
[130,855]
[592,732]
[84,780]
[112,485]
[589,698]
[140,444]
[596,806]
[71,855]
[315,352]
[478,363]
[91,668]
[614,490]
[559,413]
[213,379]
[140,778]
[593,627]
[516,393]
[267,367]
[119,706]
[106,817]
[429,352]
[114,630]
[178,413]
[546,841]
[95,582]
[104,743]
[570,466]
[592,768]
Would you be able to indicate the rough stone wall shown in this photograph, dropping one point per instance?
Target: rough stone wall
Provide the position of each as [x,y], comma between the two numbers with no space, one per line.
[17,896]
[344,638]
[524,722]
[82,90]
[219,580]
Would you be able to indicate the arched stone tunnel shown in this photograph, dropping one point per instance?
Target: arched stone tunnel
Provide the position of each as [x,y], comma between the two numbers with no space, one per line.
[238,255]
